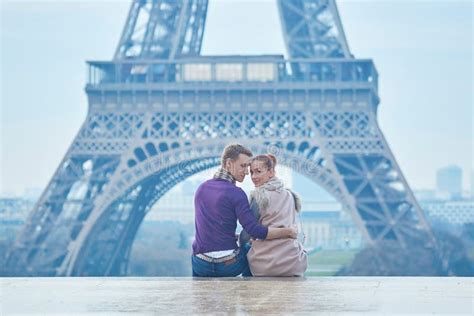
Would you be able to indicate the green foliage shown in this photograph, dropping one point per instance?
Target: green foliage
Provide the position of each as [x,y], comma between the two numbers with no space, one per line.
[328,262]
[418,258]
[332,257]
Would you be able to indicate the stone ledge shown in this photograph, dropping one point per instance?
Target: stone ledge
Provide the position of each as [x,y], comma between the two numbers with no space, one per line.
[261,296]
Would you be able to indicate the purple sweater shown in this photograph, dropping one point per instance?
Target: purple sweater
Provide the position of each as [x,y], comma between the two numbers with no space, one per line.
[218,205]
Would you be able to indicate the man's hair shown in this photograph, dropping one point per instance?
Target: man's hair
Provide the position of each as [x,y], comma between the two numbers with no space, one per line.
[233,151]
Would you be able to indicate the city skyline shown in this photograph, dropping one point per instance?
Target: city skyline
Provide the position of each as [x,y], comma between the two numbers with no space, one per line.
[298,182]
[42,91]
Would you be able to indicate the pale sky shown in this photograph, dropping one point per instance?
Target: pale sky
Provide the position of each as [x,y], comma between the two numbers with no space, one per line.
[422,50]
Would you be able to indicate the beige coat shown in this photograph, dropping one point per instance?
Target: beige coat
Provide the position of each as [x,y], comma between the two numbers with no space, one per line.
[278,257]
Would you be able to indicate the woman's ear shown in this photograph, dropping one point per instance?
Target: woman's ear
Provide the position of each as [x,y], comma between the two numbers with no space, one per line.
[272,172]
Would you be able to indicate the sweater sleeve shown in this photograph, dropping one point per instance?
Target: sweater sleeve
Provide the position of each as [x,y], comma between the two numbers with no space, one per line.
[244,236]
[247,218]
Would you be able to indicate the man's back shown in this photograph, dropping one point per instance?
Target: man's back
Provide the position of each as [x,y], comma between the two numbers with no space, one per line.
[218,204]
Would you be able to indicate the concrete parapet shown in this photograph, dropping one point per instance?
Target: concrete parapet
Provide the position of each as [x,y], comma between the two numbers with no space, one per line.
[260,296]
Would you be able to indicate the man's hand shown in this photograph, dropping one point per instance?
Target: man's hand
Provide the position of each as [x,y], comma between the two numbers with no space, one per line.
[293,232]
[282,232]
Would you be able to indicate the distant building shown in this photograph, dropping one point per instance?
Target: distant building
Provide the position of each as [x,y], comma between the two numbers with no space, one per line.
[13,214]
[327,226]
[449,182]
[472,184]
[457,212]
[425,195]
[173,206]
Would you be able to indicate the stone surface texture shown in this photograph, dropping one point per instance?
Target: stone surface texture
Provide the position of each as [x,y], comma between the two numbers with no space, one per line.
[258,296]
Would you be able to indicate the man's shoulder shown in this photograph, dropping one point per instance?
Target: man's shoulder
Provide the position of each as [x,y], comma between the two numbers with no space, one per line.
[237,193]
[216,185]
[222,185]
[204,184]
[215,182]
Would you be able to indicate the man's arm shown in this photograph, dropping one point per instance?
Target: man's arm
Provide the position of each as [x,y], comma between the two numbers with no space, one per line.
[250,224]
[282,232]
[244,235]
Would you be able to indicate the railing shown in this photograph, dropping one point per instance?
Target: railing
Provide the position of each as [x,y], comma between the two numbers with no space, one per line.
[237,69]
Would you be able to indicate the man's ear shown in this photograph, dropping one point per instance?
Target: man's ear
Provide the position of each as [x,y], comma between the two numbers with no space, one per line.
[227,163]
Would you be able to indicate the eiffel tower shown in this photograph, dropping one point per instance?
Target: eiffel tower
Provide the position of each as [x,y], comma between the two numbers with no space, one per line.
[160,112]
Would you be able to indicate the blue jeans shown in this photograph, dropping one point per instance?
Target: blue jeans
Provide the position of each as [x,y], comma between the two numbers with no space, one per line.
[234,267]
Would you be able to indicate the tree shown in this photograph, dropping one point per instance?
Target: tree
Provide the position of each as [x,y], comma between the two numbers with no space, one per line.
[418,258]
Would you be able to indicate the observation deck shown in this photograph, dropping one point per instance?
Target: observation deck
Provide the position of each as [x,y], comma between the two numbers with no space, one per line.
[225,82]
[257,71]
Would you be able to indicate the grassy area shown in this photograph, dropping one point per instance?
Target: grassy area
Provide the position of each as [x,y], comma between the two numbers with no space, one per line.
[328,262]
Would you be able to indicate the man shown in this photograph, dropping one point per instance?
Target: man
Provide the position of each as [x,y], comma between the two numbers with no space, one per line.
[218,204]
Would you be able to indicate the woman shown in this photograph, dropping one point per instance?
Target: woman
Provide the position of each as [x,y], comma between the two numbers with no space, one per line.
[275,206]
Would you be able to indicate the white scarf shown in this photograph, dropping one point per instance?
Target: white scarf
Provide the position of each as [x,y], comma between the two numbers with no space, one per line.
[273,184]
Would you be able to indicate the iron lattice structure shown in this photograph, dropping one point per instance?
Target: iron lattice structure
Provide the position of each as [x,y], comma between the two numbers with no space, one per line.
[160,112]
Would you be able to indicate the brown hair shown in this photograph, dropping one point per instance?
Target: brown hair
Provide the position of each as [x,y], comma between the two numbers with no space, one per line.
[269,160]
[233,151]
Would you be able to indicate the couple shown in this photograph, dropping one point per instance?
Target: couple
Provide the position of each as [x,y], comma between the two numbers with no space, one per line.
[269,220]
